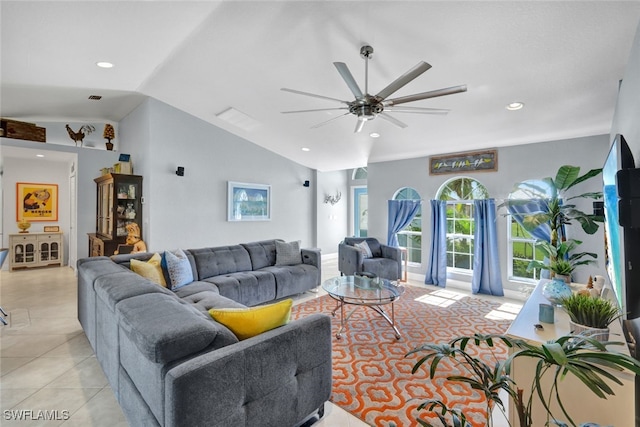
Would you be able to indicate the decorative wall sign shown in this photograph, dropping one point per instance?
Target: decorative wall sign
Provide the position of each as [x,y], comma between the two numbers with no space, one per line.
[36,202]
[52,228]
[248,202]
[476,161]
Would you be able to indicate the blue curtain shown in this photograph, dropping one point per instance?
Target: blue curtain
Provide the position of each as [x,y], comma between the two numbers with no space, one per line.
[401,212]
[437,270]
[486,257]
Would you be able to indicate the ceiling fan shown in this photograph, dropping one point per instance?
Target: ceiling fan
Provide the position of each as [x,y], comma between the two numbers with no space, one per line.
[367,107]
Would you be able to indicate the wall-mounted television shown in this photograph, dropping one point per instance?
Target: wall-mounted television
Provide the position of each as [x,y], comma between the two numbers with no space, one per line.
[622,243]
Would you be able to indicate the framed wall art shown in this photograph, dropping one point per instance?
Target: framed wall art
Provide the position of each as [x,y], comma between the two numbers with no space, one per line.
[476,161]
[248,202]
[36,202]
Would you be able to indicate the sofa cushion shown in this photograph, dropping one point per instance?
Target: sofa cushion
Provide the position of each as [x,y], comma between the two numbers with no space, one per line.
[113,288]
[212,262]
[178,268]
[294,279]
[206,300]
[247,287]
[364,249]
[262,253]
[164,330]
[288,253]
[374,244]
[194,288]
[249,322]
[150,269]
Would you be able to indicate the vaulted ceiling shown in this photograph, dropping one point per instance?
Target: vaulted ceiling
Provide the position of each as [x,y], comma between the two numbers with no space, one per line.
[563,60]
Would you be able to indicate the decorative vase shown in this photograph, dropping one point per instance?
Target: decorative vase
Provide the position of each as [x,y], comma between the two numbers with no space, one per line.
[556,289]
[599,334]
[109,145]
[24,225]
[566,278]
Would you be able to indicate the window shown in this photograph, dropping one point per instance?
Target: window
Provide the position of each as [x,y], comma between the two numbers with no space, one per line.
[521,244]
[459,194]
[411,236]
[522,250]
[359,173]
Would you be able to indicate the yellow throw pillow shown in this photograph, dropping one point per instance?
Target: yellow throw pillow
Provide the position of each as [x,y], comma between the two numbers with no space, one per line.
[248,322]
[150,269]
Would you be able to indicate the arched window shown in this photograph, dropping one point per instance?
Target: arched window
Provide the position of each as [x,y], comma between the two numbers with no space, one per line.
[522,246]
[359,173]
[460,193]
[411,236]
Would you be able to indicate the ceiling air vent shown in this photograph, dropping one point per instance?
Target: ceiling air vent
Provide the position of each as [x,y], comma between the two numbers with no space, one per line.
[95,97]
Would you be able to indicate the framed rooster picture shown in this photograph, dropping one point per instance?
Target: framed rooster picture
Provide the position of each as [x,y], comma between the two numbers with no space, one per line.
[36,202]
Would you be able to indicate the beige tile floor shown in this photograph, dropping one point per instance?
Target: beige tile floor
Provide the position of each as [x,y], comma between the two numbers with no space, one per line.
[47,364]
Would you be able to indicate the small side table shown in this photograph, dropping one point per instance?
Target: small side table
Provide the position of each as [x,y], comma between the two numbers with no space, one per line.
[405,261]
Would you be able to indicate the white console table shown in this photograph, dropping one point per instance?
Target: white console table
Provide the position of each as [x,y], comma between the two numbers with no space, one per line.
[579,401]
[35,250]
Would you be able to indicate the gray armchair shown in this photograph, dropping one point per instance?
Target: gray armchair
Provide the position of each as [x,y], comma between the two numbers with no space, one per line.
[386,261]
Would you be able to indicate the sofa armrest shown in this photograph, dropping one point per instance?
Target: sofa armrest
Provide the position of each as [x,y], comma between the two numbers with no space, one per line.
[349,259]
[276,378]
[311,257]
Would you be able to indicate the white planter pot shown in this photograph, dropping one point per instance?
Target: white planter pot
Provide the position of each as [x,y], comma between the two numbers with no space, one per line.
[595,333]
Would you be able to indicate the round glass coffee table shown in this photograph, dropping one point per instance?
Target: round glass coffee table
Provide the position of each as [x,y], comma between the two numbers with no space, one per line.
[363,291]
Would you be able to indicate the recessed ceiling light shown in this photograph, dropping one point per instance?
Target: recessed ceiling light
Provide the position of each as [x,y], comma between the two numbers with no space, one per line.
[374,135]
[39,155]
[515,106]
[306,149]
[104,64]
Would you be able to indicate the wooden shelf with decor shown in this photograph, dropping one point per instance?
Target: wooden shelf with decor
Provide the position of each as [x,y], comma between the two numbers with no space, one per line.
[22,130]
[119,203]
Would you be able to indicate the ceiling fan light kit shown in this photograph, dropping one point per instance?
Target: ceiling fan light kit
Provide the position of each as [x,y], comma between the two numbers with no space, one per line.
[367,107]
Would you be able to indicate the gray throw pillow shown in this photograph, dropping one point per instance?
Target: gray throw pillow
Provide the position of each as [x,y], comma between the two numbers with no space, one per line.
[288,253]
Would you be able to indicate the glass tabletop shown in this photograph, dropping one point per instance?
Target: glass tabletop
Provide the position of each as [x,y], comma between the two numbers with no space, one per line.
[362,290]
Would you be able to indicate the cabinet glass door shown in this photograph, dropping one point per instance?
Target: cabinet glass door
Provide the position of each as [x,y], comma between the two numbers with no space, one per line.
[44,251]
[54,251]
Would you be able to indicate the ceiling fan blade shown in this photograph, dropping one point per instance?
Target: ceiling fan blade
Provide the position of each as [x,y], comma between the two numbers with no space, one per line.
[313,95]
[417,110]
[404,79]
[392,120]
[311,111]
[359,125]
[327,121]
[426,95]
[348,78]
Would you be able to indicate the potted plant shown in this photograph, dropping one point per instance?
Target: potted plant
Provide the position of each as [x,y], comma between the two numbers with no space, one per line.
[580,356]
[590,315]
[561,259]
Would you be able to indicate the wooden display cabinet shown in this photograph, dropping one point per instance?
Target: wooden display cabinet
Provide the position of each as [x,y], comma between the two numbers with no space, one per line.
[119,203]
[35,250]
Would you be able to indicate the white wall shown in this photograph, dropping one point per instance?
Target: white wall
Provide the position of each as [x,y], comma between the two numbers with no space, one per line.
[515,164]
[191,211]
[89,161]
[332,220]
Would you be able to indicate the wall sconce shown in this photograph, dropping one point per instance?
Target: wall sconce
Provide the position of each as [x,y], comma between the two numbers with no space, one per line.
[333,199]
[180,171]
[306,183]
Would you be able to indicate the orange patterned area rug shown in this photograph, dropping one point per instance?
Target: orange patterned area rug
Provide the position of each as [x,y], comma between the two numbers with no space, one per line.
[372,379]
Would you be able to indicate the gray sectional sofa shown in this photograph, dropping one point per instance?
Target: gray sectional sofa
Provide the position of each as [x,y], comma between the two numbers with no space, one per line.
[170,364]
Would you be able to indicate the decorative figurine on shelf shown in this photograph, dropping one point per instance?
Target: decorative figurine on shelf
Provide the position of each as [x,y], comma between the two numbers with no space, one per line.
[79,136]
[134,239]
[24,225]
[109,134]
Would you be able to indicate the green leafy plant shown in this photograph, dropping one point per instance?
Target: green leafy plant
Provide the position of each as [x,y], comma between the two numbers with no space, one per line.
[585,358]
[561,257]
[589,311]
[561,267]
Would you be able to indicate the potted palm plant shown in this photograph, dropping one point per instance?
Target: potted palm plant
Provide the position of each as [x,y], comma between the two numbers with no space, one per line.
[590,315]
[580,356]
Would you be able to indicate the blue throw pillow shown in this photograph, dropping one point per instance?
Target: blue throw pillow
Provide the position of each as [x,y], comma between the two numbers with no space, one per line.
[178,268]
